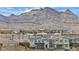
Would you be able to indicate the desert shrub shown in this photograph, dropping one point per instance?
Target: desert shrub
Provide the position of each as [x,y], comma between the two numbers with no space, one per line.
[25,44]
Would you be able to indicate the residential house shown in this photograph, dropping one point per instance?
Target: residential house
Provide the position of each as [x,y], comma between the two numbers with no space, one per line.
[39,41]
[60,43]
[74,42]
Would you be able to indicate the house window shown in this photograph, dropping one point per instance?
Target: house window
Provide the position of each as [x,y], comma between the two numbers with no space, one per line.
[42,41]
[61,40]
[39,41]
[56,40]
[51,45]
[65,40]
[66,45]
[46,45]
[35,40]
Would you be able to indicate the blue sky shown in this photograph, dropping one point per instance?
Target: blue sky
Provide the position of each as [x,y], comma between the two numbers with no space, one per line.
[75,10]
[6,11]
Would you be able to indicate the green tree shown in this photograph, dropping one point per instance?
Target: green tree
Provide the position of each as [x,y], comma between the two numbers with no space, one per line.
[27,45]
[1,46]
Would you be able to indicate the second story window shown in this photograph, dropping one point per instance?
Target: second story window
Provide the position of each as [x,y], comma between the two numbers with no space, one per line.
[65,40]
[61,40]
[39,41]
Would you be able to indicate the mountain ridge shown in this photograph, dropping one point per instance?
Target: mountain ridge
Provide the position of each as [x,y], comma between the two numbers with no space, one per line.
[43,18]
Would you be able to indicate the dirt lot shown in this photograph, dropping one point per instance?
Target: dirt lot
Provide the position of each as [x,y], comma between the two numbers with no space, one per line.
[20,48]
[75,48]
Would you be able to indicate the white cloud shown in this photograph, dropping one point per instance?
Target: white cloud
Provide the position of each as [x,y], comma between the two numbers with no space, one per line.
[27,9]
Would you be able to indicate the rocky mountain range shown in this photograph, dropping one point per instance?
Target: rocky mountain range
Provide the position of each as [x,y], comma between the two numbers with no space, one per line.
[43,18]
